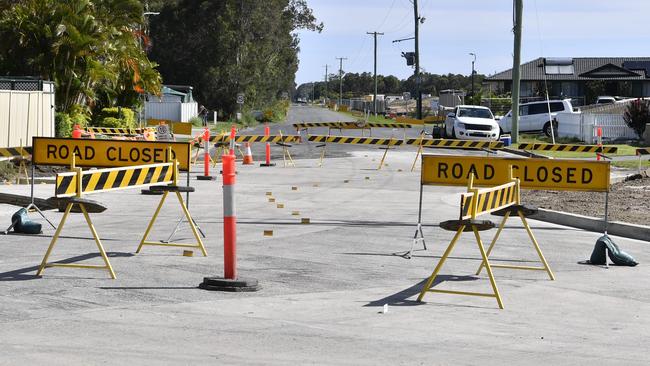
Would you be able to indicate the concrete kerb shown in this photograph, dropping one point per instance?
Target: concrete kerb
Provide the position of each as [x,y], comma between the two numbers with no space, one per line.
[623,229]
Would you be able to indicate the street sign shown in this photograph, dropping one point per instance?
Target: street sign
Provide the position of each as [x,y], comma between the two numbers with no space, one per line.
[544,174]
[240,98]
[163,133]
[406,96]
[107,153]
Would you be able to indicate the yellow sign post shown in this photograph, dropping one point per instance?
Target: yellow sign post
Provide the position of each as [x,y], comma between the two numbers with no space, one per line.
[544,174]
[108,153]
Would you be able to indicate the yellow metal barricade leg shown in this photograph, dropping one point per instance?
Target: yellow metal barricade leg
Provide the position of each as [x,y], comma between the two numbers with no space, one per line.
[488,268]
[153,219]
[417,155]
[494,240]
[190,221]
[54,239]
[97,241]
[322,156]
[433,276]
[381,163]
[537,248]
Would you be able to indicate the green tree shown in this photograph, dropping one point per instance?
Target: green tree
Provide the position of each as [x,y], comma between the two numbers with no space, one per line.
[87,47]
[637,115]
[231,47]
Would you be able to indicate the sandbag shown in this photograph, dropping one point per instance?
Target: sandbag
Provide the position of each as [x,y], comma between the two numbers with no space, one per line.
[23,224]
[616,255]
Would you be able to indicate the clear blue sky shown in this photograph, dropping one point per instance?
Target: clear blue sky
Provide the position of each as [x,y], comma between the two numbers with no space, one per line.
[454,28]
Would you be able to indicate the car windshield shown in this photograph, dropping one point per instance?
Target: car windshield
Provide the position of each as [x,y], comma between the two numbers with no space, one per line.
[474,112]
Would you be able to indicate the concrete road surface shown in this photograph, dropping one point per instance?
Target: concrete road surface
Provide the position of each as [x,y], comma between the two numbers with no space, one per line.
[324,284]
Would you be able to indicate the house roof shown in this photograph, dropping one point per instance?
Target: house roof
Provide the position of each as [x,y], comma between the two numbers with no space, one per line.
[585,68]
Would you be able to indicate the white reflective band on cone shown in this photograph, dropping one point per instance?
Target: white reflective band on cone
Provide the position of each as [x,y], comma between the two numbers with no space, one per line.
[228,200]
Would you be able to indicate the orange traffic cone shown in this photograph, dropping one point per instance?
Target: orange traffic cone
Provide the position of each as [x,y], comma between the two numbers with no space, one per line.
[248,158]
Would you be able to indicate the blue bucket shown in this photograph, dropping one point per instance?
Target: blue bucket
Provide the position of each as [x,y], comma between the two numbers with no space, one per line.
[506,140]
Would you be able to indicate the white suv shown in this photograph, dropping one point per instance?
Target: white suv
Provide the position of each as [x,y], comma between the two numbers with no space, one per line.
[534,116]
[471,122]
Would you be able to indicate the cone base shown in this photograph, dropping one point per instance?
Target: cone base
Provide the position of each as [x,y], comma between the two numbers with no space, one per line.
[204,177]
[223,284]
[270,164]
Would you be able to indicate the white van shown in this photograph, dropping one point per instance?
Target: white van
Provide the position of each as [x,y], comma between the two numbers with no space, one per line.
[534,116]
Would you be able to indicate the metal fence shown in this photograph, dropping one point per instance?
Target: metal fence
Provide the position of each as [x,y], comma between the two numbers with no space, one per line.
[364,106]
[26,110]
[584,126]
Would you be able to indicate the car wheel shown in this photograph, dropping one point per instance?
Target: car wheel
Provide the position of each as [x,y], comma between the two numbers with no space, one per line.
[453,133]
[547,128]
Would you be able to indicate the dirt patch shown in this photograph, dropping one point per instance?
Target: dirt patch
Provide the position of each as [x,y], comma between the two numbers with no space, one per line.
[629,201]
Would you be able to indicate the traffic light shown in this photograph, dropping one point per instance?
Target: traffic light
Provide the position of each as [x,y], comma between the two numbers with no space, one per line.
[410,58]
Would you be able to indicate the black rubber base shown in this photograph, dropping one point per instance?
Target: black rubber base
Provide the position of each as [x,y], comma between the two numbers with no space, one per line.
[222,284]
[204,177]
[264,164]
[149,192]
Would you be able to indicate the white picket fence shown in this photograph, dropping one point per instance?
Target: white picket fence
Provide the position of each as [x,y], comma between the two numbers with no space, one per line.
[584,126]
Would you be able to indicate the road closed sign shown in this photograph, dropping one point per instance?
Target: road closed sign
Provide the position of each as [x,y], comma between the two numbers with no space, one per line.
[544,174]
[107,153]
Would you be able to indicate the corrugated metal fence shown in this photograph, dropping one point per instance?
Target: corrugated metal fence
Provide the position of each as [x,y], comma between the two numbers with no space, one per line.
[26,110]
[172,111]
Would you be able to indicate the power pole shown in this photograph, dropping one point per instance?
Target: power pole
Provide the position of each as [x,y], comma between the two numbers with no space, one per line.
[374,99]
[326,84]
[340,77]
[516,77]
[473,61]
[417,61]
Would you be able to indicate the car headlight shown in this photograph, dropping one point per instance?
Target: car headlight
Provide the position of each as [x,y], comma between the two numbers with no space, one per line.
[460,125]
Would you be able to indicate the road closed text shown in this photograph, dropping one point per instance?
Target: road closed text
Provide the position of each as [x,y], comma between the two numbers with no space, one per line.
[549,174]
[108,153]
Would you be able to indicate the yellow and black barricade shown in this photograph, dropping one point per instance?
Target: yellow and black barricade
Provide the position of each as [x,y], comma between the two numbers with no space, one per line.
[568,148]
[115,131]
[477,202]
[386,143]
[21,153]
[15,152]
[164,177]
[360,125]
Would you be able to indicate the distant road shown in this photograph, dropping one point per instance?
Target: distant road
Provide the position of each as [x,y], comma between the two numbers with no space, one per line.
[305,113]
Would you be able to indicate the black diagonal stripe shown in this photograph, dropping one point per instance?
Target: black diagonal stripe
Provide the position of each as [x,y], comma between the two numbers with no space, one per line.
[474,144]
[573,148]
[135,176]
[502,199]
[374,141]
[149,175]
[118,179]
[65,183]
[85,179]
[486,201]
[101,182]
[337,139]
[493,204]
[29,150]
[163,173]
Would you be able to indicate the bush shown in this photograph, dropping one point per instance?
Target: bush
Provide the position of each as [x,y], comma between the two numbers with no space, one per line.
[62,124]
[116,117]
[637,115]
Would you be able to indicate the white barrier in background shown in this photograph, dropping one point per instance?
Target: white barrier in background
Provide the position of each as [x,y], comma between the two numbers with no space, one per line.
[583,126]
